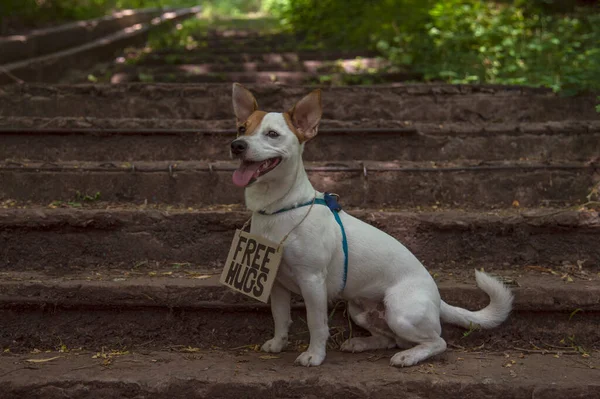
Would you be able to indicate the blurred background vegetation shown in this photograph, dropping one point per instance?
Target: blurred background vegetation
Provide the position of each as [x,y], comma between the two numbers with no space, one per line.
[549,43]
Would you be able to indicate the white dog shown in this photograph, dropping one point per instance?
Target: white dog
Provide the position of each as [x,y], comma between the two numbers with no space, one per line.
[389,292]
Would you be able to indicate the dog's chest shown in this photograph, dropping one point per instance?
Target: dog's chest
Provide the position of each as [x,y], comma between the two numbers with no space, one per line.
[275,231]
[269,228]
[298,255]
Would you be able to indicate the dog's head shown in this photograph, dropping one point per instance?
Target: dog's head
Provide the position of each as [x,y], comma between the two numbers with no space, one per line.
[270,144]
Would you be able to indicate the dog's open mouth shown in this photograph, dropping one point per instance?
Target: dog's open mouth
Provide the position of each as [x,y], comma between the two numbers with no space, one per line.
[248,171]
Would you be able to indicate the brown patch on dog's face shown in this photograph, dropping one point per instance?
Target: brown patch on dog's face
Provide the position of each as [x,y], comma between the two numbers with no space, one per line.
[250,126]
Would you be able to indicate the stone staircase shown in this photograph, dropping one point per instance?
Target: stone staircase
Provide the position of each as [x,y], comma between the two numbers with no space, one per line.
[117,210]
[251,53]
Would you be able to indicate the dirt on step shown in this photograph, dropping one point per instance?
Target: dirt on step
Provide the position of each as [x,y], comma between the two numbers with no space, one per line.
[25,328]
[83,124]
[426,103]
[234,374]
[64,239]
[363,183]
[134,140]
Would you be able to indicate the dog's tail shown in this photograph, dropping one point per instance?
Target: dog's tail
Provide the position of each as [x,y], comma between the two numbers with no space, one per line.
[489,317]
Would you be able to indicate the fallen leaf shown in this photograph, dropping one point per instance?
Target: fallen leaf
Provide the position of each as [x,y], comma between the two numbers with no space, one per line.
[573,313]
[43,360]
[567,278]
[190,349]
[515,203]
[203,277]
[539,268]
[268,357]
[302,347]
[178,265]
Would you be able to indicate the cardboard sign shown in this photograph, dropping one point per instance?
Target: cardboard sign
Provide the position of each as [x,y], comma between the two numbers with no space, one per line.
[252,265]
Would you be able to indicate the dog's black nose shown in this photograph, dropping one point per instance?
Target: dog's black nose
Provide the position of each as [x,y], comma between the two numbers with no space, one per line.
[238,147]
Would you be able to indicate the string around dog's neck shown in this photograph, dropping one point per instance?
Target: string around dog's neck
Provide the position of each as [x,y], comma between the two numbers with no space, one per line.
[330,201]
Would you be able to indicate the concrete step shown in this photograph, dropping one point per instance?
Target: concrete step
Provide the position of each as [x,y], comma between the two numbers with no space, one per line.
[251,46]
[213,37]
[133,140]
[279,76]
[78,237]
[193,309]
[49,40]
[228,374]
[364,183]
[419,102]
[53,66]
[225,56]
[310,66]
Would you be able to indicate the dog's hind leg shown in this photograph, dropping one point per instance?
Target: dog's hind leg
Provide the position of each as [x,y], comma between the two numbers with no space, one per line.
[414,317]
[370,316]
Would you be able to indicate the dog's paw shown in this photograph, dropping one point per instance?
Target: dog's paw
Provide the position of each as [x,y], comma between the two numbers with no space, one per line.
[274,345]
[405,359]
[308,359]
[355,345]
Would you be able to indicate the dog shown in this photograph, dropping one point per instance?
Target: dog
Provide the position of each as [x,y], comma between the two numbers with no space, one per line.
[389,292]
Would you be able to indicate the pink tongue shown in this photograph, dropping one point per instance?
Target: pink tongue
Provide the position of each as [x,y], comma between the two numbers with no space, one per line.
[243,174]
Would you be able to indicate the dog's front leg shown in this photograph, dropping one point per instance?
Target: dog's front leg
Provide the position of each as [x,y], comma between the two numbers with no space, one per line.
[280,307]
[314,292]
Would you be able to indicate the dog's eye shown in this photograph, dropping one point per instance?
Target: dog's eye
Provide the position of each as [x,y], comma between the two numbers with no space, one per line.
[241,129]
[272,134]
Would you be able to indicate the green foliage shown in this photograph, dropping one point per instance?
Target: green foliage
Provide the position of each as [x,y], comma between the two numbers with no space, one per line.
[190,34]
[350,23]
[230,8]
[473,41]
[462,41]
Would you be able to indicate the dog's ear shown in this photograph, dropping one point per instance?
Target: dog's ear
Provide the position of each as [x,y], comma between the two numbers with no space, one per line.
[244,103]
[306,115]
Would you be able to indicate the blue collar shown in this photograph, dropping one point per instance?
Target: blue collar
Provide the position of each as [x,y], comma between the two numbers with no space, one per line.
[330,201]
